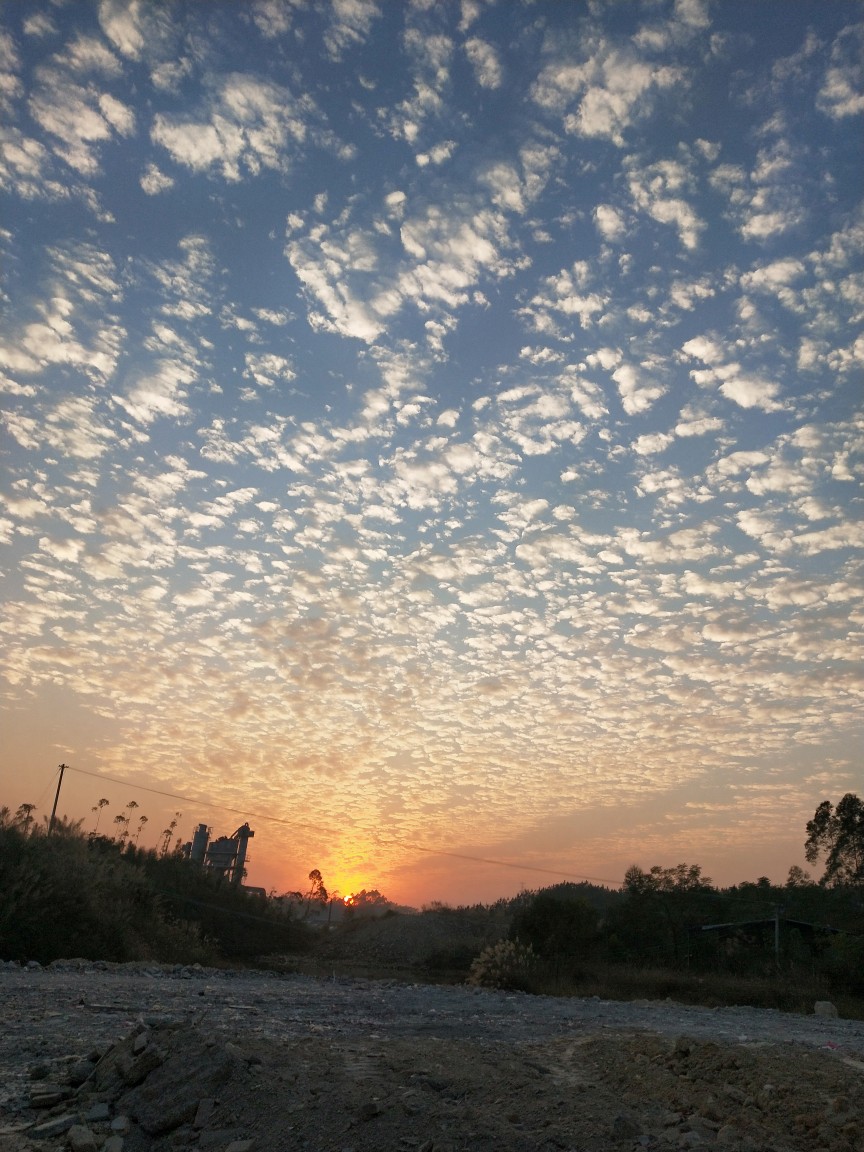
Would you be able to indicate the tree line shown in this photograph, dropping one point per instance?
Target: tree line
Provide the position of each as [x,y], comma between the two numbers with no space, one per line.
[675,918]
[72,893]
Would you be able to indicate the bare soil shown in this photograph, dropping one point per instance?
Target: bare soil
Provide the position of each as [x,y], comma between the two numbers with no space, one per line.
[146,1058]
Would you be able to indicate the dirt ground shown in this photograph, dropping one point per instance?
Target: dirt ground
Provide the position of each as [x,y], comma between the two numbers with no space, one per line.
[152,1059]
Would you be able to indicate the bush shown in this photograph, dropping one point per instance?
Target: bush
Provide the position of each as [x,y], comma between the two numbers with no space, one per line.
[507,965]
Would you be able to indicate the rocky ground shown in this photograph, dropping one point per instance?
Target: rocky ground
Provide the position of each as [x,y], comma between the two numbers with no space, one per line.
[137,1059]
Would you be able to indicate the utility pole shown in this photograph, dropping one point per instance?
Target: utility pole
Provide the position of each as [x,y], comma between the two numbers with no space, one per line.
[63,768]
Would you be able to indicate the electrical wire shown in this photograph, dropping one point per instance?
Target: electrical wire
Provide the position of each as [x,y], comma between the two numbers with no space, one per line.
[406,844]
[410,846]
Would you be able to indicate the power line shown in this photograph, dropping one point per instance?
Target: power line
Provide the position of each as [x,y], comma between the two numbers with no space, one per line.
[499,863]
[334,832]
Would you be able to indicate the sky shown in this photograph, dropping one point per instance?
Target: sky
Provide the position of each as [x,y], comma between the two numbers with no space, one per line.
[432,431]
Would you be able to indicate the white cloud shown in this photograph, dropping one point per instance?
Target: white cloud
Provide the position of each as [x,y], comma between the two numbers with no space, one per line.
[39,24]
[450,249]
[611,90]
[749,390]
[154,180]
[160,392]
[658,189]
[89,54]
[344,312]
[351,23]
[842,93]
[268,367]
[752,392]
[273,18]
[565,294]
[636,396]
[252,124]
[765,202]
[504,184]
[438,154]
[121,22]
[699,425]
[75,325]
[687,545]
[78,119]
[25,165]
[687,295]
[652,442]
[485,62]
[119,115]
[610,223]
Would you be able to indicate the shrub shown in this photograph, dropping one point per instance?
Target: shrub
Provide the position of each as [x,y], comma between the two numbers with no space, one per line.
[507,965]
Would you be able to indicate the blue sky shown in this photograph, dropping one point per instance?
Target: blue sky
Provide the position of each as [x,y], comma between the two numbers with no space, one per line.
[437,426]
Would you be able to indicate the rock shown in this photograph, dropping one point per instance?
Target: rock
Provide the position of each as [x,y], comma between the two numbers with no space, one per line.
[99,1113]
[81,1139]
[113,1144]
[825,1008]
[47,1095]
[121,1125]
[171,1093]
[204,1113]
[55,1127]
[240,1146]
[79,1073]
[135,1069]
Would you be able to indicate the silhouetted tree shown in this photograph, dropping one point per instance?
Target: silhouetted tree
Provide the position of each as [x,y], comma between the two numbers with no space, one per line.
[798,877]
[367,902]
[559,927]
[838,834]
[167,833]
[142,820]
[97,808]
[317,893]
[660,905]
[24,817]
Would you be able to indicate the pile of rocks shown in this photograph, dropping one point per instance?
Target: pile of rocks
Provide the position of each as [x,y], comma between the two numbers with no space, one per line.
[159,1080]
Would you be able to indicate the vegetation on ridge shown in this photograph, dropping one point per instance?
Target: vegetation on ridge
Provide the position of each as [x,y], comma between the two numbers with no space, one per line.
[666,931]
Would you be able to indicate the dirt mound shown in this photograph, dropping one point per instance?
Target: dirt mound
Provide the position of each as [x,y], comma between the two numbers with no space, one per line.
[172,1086]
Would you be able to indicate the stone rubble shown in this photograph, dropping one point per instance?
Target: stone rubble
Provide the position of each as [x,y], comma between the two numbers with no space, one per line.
[146,1058]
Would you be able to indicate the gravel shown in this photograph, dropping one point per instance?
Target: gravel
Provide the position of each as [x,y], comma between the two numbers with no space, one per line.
[370,1045]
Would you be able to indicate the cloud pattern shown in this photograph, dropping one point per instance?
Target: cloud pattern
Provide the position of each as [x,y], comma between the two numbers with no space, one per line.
[440,421]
